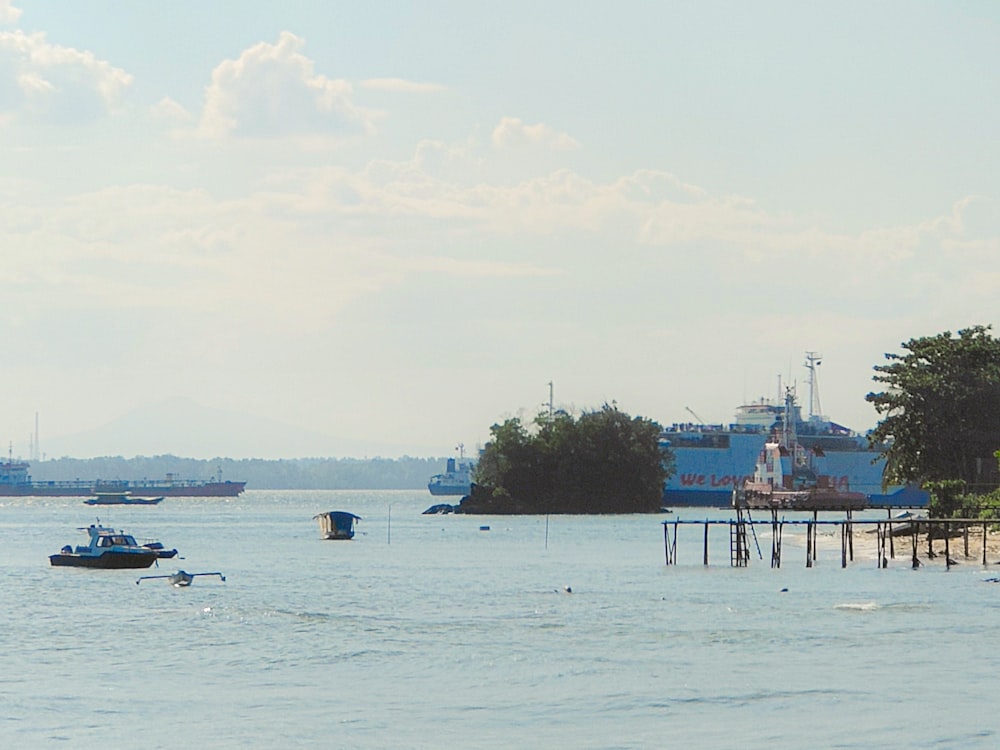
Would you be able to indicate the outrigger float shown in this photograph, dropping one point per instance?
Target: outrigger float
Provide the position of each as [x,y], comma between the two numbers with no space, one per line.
[181,578]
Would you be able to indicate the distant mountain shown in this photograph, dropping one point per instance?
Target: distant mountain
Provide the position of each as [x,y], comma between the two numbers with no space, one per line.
[182,427]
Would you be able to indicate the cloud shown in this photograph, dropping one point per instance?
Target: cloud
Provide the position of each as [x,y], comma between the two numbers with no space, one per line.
[8,13]
[171,111]
[401,85]
[44,82]
[272,90]
[512,133]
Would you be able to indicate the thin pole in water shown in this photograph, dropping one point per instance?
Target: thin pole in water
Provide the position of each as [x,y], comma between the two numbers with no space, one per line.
[388,527]
[546,531]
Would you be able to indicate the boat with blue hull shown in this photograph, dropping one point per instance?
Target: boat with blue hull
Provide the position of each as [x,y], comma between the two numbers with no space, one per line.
[710,461]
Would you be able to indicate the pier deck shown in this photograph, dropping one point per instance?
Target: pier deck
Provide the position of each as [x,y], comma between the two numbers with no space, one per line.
[887,531]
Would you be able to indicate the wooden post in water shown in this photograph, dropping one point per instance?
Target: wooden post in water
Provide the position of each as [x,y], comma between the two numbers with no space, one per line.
[947,553]
[882,532]
[666,543]
[843,546]
[706,544]
[809,542]
[775,540]
[965,535]
[814,528]
[850,535]
[916,562]
[984,544]
[892,546]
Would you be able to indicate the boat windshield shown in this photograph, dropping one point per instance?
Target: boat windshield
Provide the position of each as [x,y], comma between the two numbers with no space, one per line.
[122,540]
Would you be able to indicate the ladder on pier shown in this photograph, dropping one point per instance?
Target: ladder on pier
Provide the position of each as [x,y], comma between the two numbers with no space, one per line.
[739,551]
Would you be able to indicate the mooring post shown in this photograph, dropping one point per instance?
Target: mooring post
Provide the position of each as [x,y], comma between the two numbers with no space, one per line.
[815,529]
[916,562]
[965,536]
[883,533]
[706,543]
[930,543]
[850,535]
[775,540]
[947,553]
[984,544]
[666,543]
[843,546]
[892,548]
[809,542]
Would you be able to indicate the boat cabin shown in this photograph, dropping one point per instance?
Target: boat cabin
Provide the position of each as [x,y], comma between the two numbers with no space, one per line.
[337,524]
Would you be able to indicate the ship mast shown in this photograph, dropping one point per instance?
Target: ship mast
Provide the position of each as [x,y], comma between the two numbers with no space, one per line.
[814,360]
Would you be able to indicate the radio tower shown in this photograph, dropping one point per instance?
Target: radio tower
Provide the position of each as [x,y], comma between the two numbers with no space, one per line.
[814,360]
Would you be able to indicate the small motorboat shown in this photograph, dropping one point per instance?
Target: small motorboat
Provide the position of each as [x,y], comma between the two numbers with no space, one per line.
[120,498]
[337,524]
[180,579]
[106,548]
[163,554]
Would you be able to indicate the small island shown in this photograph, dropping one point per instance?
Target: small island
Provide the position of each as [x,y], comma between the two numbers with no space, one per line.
[606,461]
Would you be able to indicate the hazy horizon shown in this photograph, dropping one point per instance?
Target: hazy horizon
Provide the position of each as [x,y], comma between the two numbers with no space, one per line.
[379,224]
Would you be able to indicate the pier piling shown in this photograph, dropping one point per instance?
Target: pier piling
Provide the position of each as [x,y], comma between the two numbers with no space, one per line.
[742,524]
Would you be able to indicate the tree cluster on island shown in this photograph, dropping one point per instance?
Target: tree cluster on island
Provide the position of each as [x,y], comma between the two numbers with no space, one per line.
[603,462]
[941,424]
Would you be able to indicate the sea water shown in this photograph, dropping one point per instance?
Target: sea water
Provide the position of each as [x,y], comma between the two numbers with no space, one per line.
[478,632]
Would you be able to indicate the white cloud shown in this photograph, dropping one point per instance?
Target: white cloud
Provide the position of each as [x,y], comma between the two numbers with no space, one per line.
[513,133]
[8,13]
[401,85]
[272,90]
[47,82]
[171,111]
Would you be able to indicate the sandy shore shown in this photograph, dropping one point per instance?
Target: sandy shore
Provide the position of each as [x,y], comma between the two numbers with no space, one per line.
[865,545]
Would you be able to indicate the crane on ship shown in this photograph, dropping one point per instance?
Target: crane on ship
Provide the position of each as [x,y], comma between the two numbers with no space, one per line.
[694,414]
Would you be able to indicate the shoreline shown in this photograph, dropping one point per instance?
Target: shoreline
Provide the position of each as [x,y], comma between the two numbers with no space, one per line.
[865,547]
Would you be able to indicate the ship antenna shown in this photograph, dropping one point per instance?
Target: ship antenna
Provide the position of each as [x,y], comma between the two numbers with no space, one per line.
[813,360]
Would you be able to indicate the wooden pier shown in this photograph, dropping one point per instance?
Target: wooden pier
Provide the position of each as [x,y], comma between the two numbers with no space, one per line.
[742,532]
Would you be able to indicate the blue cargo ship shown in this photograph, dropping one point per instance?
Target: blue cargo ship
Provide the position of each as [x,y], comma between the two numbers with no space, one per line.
[711,460]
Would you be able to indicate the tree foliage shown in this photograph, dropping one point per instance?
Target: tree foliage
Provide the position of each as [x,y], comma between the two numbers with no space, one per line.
[603,462]
[942,409]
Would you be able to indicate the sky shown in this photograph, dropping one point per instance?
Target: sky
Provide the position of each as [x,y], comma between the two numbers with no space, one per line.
[397,223]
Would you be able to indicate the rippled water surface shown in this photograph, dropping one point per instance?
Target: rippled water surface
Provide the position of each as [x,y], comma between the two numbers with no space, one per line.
[428,632]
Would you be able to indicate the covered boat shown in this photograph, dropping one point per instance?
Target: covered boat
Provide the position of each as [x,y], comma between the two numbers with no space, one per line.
[106,548]
[337,524]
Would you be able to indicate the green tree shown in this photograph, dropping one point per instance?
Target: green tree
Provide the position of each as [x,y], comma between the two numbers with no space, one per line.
[604,462]
[942,409]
